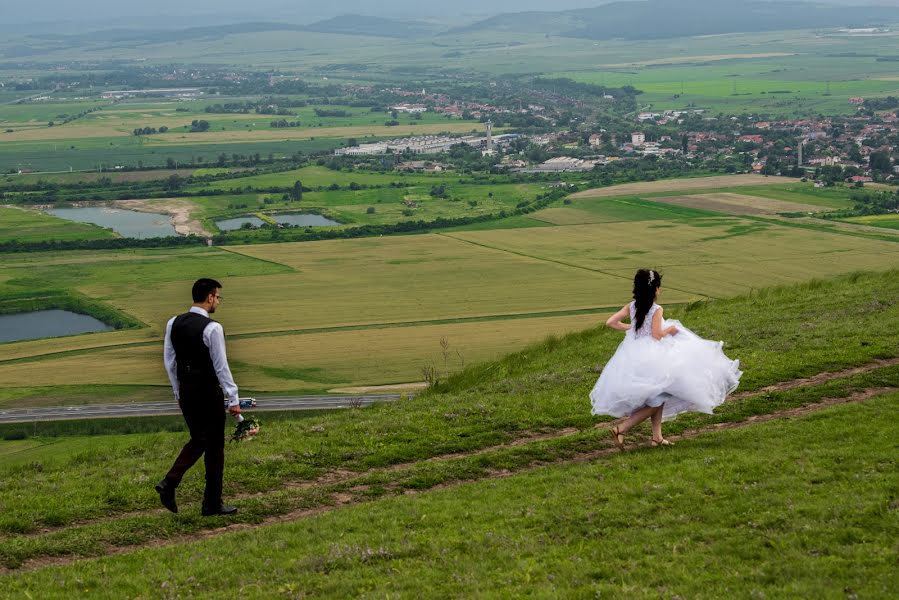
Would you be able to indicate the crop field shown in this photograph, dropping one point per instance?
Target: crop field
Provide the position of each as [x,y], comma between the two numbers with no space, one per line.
[312,176]
[681,185]
[738,204]
[106,135]
[104,153]
[887,221]
[712,257]
[320,315]
[113,176]
[805,81]
[31,226]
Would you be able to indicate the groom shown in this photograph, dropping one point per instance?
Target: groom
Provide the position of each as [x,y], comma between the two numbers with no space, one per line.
[197,366]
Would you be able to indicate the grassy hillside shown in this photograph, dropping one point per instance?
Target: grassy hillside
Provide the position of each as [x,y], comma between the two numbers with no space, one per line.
[499,418]
[744,513]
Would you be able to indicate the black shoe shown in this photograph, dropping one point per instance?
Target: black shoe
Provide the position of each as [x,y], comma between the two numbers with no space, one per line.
[222,509]
[167,495]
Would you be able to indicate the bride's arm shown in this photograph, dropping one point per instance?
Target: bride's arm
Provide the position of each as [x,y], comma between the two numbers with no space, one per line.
[615,321]
[657,331]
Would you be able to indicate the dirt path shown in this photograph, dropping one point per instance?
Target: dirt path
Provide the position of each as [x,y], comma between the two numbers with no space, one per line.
[352,495]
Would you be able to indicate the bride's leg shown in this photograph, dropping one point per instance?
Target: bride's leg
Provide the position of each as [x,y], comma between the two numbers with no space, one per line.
[637,417]
[657,423]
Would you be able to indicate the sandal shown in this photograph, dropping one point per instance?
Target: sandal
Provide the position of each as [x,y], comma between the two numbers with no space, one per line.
[661,442]
[618,437]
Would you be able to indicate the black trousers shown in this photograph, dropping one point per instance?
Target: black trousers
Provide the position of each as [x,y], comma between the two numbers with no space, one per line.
[204,414]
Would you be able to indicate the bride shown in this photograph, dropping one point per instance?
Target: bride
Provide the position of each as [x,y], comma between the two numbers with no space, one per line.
[661,369]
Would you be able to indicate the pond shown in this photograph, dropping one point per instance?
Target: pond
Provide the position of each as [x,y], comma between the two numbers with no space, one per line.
[305,220]
[127,223]
[47,323]
[302,220]
[232,224]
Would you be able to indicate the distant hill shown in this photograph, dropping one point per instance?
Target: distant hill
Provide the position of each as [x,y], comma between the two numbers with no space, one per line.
[348,24]
[374,26]
[653,19]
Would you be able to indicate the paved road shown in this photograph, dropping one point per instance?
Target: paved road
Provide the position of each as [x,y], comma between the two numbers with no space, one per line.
[148,409]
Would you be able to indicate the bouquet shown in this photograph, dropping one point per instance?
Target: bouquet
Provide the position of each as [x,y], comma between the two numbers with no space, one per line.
[246,428]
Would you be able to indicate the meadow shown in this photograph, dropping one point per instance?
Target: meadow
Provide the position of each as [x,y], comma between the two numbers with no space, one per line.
[30,226]
[315,316]
[502,464]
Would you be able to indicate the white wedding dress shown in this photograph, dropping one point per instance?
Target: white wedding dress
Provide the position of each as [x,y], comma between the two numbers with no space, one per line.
[683,371]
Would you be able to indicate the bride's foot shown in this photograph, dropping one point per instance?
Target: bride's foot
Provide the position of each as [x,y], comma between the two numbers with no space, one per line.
[618,437]
[660,442]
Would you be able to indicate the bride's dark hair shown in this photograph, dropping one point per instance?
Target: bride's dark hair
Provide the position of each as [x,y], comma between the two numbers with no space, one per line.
[646,282]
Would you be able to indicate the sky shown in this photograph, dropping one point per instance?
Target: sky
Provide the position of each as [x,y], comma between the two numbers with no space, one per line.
[99,14]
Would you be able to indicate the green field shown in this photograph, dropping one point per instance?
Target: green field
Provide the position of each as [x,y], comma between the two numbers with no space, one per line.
[31,226]
[888,221]
[372,311]
[719,499]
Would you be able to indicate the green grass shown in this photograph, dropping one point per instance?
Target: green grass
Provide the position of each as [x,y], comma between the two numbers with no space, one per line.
[749,511]
[888,221]
[124,268]
[618,209]
[33,226]
[542,388]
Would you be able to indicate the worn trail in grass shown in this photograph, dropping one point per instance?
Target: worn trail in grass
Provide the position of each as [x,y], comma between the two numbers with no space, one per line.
[297,500]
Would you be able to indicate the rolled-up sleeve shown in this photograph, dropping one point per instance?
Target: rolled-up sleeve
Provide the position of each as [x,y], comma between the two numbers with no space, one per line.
[168,357]
[214,338]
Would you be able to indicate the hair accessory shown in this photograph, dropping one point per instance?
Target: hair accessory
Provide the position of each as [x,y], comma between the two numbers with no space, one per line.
[652,276]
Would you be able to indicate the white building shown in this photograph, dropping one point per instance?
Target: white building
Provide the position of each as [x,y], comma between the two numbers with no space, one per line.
[410,108]
[565,163]
[638,139]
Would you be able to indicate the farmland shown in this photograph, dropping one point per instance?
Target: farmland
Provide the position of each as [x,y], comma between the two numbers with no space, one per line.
[62,133]
[322,315]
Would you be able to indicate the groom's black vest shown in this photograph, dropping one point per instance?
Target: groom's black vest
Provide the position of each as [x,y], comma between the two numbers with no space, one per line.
[196,373]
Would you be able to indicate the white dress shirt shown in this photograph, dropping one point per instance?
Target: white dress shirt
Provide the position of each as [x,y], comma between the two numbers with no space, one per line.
[214,338]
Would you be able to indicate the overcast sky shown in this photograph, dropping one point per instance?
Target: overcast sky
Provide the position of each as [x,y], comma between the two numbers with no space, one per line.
[97,14]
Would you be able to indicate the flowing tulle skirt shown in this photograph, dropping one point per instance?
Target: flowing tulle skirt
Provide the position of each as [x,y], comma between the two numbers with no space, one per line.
[684,372]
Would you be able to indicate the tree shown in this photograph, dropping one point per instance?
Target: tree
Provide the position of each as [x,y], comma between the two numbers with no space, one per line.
[173,183]
[296,192]
[880,161]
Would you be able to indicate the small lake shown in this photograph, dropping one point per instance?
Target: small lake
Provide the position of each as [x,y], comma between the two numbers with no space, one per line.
[301,220]
[127,223]
[47,323]
[232,224]
[305,220]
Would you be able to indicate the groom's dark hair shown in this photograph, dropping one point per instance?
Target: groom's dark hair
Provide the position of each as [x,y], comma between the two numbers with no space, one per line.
[203,287]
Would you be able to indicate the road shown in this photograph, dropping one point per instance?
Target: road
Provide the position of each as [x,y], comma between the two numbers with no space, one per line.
[149,409]
[17,100]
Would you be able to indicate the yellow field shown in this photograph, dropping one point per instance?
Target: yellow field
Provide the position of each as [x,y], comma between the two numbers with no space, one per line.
[675,60]
[738,204]
[343,283]
[110,124]
[721,260]
[363,311]
[370,356]
[681,185]
[301,133]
